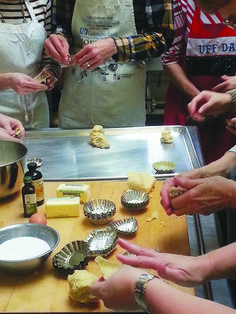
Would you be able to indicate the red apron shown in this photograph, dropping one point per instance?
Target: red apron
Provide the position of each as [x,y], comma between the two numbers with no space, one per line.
[205,54]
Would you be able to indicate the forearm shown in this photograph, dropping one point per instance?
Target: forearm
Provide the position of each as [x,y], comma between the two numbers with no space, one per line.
[164,299]
[178,77]
[5,81]
[139,48]
[220,167]
[220,263]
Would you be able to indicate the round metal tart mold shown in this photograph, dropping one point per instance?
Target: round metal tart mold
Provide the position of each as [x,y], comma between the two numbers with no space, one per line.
[127,226]
[134,200]
[102,242]
[73,256]
[163,166]
[99,211]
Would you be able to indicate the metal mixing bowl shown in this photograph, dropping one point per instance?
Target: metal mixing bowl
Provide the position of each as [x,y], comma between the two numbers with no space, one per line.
[21,265]
[12,162]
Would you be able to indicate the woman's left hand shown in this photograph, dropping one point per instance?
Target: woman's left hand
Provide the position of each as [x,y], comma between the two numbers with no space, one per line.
[50,78]
[93,55]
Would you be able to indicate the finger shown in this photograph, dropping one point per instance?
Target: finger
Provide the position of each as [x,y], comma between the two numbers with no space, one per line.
[231,130]
[95,287]
[165,197]
[220,87]
[136,249]
[206,108]
[186,183]
[168,209]
[58,48]
[137,261]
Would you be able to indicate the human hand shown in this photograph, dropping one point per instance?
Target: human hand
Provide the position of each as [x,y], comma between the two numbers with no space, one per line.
[228,84]
[164,193]
[203,196]
[24,84]
[117,292]
[95,54]
[50,78]
[231,129]
[183,270]
[9,126]
[209,103]
[57,47]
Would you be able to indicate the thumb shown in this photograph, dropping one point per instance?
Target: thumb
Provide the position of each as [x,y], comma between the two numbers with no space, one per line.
[225,77]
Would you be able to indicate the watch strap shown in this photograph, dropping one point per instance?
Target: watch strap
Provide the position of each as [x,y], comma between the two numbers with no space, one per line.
[233,102]
[139,291]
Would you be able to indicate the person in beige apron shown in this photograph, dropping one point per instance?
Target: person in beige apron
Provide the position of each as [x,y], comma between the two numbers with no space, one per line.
[113,94]
[21,51]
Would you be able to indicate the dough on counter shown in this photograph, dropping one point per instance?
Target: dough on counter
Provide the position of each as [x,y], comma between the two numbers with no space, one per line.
[176,191]
[106,267]
[98,138]
[166,137]
[140,181]
[79,286]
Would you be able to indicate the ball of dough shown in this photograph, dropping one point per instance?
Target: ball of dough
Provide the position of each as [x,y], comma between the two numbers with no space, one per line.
[79,286]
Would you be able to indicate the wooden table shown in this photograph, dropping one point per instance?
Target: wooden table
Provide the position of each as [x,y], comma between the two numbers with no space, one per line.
[46,290]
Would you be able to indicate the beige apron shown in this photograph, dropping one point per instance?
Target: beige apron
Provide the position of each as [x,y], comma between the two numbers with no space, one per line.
[112,95]
[21,51]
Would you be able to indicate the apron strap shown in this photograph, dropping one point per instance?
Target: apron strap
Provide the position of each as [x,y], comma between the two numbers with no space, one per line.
[31,10]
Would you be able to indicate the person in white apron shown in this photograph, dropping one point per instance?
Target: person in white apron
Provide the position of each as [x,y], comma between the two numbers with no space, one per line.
[111,94]
[21,51]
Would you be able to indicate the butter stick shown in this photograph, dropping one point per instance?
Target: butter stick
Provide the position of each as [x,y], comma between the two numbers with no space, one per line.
[62,207]
[77,190]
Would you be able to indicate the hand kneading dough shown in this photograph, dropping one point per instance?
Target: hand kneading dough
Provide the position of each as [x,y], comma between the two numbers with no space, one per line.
[140,181]
[79,286]
[176,191]
[98,138]
[106,267]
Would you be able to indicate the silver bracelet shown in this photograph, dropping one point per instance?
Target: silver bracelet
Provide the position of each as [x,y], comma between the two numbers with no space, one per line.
[139,291]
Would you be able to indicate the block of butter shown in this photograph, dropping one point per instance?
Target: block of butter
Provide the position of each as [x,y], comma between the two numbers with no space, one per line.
[62,207]
[80,190]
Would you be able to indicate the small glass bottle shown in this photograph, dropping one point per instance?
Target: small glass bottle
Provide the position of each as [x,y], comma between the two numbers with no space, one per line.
[37,181]
[29,197]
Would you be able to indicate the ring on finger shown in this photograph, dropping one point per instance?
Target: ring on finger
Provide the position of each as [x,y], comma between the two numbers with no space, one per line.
[88,65]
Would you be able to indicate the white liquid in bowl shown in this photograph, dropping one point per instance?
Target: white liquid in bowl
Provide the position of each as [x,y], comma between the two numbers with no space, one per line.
[22,248]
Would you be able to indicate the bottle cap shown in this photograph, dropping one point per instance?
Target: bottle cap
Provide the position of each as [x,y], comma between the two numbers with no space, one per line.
[32,166]
[27,179]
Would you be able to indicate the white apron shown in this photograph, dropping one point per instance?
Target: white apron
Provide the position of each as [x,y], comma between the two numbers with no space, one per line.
[21,51]
[114,94]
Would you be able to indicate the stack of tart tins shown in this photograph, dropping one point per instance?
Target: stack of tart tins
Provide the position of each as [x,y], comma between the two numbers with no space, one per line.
[99,211]
[134,200]
[75,255]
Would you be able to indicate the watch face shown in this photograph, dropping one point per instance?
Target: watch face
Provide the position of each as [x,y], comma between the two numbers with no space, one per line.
[139,291]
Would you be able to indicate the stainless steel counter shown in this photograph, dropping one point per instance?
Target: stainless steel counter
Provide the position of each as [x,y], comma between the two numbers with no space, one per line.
[67,155]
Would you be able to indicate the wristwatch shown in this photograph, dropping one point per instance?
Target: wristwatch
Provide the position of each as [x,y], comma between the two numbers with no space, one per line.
[139,291]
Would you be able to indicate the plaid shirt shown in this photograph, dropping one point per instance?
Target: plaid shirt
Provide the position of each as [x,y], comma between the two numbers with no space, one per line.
[154,24]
